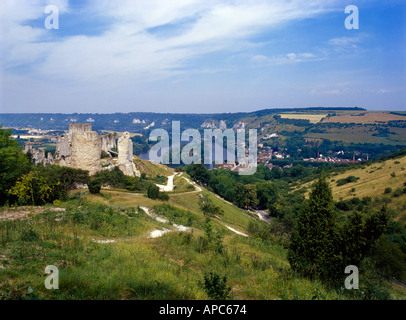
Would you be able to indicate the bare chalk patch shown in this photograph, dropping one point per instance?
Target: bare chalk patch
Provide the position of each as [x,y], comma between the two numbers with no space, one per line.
[159,233]
[237,232]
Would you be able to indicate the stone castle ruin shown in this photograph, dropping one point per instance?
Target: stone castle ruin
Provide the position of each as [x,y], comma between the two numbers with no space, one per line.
[38,154]
[82,148]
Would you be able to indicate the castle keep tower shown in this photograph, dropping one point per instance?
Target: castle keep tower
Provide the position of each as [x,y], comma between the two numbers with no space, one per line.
[85,148]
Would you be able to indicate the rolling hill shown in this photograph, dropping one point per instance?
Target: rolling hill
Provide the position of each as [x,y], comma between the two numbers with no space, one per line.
[383,181]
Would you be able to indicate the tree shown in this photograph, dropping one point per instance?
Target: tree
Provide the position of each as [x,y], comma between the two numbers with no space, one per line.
[239,194]
[13,164]
[245,195]
[314,242]
[32,189]
[319,246]
[153,191]
[250,196]
[198,172]
[208,207]
[267,193]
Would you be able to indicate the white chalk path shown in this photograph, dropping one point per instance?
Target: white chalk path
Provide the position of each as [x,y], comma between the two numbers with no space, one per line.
[197,188]
[159,233]
[169,184]
[237,232]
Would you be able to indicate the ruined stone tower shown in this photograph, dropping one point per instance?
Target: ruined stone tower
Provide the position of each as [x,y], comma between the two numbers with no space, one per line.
[125,156]
[85,151]
[80,148]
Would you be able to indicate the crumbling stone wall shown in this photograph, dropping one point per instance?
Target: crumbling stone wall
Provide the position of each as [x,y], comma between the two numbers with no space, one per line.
[28,147]
[108,142]
[79,128]
[125,156]
[38,154]
[62,147]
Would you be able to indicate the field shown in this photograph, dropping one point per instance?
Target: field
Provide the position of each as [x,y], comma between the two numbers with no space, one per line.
[358,133]
[370,117]
[313,118]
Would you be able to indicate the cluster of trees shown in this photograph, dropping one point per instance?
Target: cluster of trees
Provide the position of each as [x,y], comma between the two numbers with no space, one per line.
[13,164]
[115,178]
[323,245]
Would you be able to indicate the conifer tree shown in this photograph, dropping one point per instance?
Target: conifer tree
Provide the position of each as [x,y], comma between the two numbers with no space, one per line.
[314,242]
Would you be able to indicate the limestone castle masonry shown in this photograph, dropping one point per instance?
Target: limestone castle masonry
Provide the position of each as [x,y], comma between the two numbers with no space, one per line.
[82,148]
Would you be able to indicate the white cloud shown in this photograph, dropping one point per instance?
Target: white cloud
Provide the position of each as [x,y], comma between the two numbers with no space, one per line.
[128,51]
[345,44]
[289,58]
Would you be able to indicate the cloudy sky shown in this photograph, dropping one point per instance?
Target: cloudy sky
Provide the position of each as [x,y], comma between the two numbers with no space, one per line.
[200,56]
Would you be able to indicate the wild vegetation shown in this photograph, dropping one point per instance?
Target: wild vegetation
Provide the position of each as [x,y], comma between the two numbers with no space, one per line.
[104,242]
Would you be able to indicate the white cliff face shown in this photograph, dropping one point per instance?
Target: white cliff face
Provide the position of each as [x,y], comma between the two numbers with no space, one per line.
[150,126]
[125,156]
[138,121]
[209,124]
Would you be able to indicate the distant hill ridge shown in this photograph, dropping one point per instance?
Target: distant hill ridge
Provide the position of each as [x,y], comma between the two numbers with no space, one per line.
[139,121]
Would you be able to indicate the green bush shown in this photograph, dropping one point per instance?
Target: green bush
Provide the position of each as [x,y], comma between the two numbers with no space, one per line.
[152,191]
[216,286]
[389,259]
[397,193]
[349,179]
[94,186]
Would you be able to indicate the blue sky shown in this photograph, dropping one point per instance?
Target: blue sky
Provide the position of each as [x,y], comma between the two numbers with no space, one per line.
[201,56]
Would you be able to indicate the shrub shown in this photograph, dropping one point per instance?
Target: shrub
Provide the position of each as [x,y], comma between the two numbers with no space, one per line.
[208,207]
[94,186]
[163,196]
[349,179]
[397,193]
[216,286]
[29,234]
[212,239]
[152,191]
[388,190]
[389,259]
[33,189]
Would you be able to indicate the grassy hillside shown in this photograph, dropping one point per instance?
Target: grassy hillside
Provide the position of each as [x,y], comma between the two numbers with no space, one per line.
[104,248]
[383,181]
[152,170]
